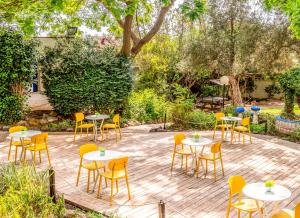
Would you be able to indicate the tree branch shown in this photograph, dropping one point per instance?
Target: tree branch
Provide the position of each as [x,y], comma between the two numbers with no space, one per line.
[162,14]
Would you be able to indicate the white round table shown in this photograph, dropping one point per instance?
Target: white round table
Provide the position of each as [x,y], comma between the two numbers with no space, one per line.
[95,118]
[96,156]
[192,143]
[24,134]
[258,191]
[232,121]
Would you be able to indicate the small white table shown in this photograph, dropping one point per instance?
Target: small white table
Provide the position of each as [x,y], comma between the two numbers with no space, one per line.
[192,143]
[22,135]
[96,156]
[258,191]
[96,118]
[232,121]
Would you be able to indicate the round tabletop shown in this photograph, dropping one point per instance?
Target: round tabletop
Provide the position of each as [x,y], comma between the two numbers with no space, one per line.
[25,134]
[258,191]
[109,155]
[231,118]
[202,141]
[97,117]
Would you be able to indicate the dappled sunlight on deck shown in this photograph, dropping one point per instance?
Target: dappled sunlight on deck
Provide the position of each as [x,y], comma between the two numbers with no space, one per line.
[150,178]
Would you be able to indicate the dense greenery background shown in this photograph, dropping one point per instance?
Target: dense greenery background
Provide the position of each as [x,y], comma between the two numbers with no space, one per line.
[80,75]
[17,66]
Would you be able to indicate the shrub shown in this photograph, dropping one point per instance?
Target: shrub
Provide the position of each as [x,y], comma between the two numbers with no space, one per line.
[257,128]
[24,193]
[272,90]
[270,119]
[17,67]
[296,135]
[79,75]
[146,106]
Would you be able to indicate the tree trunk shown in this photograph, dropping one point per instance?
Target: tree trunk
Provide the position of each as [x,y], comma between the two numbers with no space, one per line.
[127,36]
[235,91]
[289,102]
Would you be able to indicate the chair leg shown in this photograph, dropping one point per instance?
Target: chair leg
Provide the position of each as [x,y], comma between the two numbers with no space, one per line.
[94,175]
[88,183]
[80,132]
[239,213]
[128,189]
[99,186]
[214,132]
[116,134]
[215,171]
[243,138]
[250,215]
[16,154]
[186,164]
[206,168]
[222,166]
[10,145]
[107,133]
[197,168]
[120,132]
[228,211]
[24,159]
[173,156]
[223,131]
[78,175]
[117,185]
[250,137]
[181,161]
[34,157]
[48,155]
[239,136]
[111,191]
[40,155]
[87,132]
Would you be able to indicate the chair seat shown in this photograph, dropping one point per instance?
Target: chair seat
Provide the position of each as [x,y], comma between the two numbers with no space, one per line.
[109,126]
[117,174]
[209,157]
[248,205]
[92,165]
[39,147]
[284,213]
[223,126]
[87,125]
[241,129]
[184,151]
[18,143]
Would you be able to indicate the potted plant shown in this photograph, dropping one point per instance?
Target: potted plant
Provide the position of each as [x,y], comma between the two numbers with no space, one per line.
[102,151]
[196,137]
[269,184]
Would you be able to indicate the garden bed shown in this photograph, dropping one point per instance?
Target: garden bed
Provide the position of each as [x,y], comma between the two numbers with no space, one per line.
[286,126]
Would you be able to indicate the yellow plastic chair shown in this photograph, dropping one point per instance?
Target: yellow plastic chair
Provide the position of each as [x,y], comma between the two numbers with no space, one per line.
[286,213]
[17,143]
[244,128]
[178,137]
[236,185]
[115,125]
[219,124]
[79,117]
[117,169]
[91,166]
[38,143]
[216,154]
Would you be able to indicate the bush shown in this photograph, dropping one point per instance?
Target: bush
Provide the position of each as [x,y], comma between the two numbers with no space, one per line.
[257,128]
[296,135]
[17,67]
[79,75]
[272,90]
[270,119]
[146,106]
[24,193]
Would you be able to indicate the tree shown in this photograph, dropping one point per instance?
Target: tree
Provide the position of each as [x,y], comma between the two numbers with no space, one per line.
[129,15]
[239,39]
[291,8]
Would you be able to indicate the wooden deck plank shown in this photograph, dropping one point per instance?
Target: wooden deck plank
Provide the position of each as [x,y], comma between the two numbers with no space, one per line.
[151,181]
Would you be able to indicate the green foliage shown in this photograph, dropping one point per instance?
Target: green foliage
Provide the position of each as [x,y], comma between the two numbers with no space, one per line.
[62,124]
[79,75]
[230,110]
[272,90]
[24,193]
[257,128]
[290,85]
[17,66]
[296,135]
[270,119]
[146,106]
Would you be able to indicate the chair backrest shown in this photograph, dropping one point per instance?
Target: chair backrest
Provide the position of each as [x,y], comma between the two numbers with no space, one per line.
[86,148]
[40,138]
[79,116]
[236,184]
[216,147]
[297,210]
[116,119]
[219,115]
[118,164]
[178,137]
[245,121]
[17,129]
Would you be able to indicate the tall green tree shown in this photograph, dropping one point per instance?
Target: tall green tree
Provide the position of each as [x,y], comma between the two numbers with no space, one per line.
[137,20]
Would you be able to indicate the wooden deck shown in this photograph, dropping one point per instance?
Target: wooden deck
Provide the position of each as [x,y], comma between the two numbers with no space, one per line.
[150,179]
